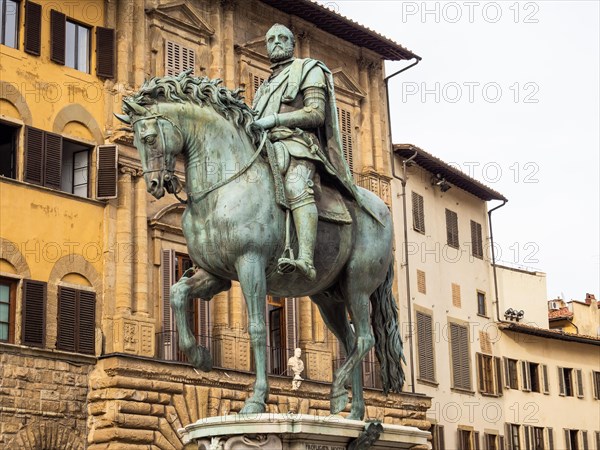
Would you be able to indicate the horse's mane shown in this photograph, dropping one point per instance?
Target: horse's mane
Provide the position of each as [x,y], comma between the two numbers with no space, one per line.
[202,91]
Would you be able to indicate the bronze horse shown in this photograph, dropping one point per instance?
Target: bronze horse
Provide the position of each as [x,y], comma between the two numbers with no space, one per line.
[235,230]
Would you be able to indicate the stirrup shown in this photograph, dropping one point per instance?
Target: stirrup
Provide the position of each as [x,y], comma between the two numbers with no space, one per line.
[287,265]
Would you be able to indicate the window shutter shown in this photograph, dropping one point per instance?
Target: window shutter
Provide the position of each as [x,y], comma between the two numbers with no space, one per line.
[456,301]
[421,284]
[528,440]
[178,58]
[579,375]
[596,386]
[550,438]
[53,160]
[525,376]
[204,323]
[506,373]
[461,373]
[33,28]
[346,132]
[452,228]
[508,436]
[476,439]
[501,442]
[87,322]
[168,278]
[34,313]
[106,180]
[291,325]
[498,374]
[545,383]
[58,35]
[480,375]
[105,52]
[418,212]
[597,433]
[34,155]
[476,239]
[584,438]
[567,440]
[67,319]
[425,347]
[255,82]
[561,382]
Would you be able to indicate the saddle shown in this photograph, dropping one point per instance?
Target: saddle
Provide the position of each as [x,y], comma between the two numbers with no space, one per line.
[330,203]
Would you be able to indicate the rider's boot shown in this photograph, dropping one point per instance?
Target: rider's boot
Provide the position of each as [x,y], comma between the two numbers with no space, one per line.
[306,219]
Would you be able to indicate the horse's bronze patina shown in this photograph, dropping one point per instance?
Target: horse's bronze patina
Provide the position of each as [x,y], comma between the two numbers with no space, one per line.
[235,230]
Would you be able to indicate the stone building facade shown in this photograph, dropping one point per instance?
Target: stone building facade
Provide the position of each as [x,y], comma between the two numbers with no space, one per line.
[88,348]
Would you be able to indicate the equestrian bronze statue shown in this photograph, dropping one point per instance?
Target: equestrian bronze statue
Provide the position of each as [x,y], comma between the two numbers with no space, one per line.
[264,185]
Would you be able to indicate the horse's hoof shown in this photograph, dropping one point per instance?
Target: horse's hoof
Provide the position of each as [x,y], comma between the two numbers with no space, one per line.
[202,359]
[338,402]
[253,407]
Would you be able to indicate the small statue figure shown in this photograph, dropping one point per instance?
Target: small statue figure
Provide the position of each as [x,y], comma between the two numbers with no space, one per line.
[297,366]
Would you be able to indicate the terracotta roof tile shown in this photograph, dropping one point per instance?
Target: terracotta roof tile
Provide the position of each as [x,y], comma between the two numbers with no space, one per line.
[562,313]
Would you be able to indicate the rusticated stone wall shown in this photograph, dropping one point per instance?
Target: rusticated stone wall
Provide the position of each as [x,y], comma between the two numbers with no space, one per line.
[138,403]
[43,399]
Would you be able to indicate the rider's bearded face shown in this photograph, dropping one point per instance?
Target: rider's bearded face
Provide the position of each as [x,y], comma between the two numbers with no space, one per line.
[280,43]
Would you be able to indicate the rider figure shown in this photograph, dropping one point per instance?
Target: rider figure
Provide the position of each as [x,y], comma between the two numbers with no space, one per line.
[297,106]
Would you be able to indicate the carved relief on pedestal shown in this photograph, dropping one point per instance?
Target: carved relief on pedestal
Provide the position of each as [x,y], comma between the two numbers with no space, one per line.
[241,443]
[130,336]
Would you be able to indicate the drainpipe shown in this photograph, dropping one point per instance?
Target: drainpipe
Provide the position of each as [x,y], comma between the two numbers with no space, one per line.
[403,182]
[494,261]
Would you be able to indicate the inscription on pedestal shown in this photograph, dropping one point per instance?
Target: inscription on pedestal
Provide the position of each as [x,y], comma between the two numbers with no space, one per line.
[323,447]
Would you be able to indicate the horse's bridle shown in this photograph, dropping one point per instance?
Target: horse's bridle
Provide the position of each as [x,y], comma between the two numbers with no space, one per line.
[167,174]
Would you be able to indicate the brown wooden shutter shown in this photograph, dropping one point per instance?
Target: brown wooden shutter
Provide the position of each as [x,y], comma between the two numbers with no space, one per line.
[527,432]
[58,36]
[508,436]
[476,438]
[34,155]
[255,82]
[545,383]
[596,386]
[567,439]
[525,376]
[584,438]
[479,368]
[498,374]
[168,278]
[67,319]
[425,347]
[105,52]
[34,313]
[53,160]
[561,382]
[291,325]
[106,180]
[204,323]
[178,58]
[33,28]
[476,239]
[456,300]
[579,379]
[551,439]
[597,433]
[346,134]
[452,228]
[86,321]
[418,212]
[460,356]
[421,282]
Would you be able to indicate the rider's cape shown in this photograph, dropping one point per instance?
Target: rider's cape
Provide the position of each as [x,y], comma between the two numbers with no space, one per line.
[284,88]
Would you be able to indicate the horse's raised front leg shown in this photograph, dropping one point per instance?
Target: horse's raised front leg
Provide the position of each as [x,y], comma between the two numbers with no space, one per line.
[251,274]
[201,285]
[335,317]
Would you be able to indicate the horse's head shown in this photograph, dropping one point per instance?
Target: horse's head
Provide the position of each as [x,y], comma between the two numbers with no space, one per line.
[159,140]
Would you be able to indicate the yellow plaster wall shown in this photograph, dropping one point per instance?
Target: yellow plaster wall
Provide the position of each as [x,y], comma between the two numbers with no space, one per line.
[48,87]
[46,226]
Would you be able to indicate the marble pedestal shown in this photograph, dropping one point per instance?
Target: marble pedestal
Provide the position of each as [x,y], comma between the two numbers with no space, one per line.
[295,432]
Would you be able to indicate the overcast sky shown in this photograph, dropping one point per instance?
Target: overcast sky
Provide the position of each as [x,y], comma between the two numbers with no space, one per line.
[508,91]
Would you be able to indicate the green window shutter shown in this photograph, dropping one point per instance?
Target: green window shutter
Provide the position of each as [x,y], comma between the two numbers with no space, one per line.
[33,28]
[34,313]
[58,36]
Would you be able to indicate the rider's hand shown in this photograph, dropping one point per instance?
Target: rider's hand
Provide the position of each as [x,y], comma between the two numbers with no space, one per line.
[265,123]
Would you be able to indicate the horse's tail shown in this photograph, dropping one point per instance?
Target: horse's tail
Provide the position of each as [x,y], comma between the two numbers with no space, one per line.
[388,343]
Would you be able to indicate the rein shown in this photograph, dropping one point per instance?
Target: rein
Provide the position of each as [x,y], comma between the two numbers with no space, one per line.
[197,196]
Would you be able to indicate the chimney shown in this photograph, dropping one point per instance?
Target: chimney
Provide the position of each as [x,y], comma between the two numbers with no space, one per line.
[589,298]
